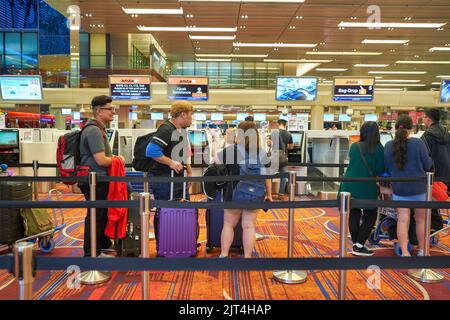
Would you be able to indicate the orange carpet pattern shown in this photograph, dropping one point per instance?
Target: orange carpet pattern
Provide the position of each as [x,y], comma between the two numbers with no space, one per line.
[316,235]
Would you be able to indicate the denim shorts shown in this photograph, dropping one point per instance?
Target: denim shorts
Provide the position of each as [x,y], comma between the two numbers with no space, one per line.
[417,197]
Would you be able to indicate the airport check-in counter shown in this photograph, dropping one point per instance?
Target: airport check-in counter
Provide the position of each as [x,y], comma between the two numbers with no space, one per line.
[201,155]
[328,146]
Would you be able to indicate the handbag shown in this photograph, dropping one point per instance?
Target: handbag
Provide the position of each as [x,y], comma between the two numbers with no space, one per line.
[36,220]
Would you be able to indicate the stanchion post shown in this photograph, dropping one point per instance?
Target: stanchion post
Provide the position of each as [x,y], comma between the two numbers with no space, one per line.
[144,208]
[291,276]
[35,183]
[93,276]
[23,269]
[427,275]
[344,214]
[151,235]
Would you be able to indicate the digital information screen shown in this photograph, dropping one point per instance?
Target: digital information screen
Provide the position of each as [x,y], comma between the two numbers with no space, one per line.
[353,89]
[344,118]
[197,138]
[285,116]
[66,112]
[187,88]
[385,137]
[200,116]
[9,138]
[260,117]
[297,138]
[216,116]
[371,117]
[296,89]
[445,91]
[241,116]
[157,116]
[21,88]
[328,117]
[133,115]
[129,87]
[76,115]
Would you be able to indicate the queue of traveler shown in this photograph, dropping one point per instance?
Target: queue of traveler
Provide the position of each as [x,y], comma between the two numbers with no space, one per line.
[405,156]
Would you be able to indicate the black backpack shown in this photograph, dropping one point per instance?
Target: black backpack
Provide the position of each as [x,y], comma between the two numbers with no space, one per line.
[210,188]
[140,160]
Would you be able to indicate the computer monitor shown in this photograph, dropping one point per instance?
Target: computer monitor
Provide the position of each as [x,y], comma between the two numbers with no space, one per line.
[385,137]
[260,116]
[297,138]
[241,116]
[133,115]
[328,117]
[66,111]
[344,118]
[157,116]
[445,91]
[370,117]
[200,116]
[197,138]
[9,138]
[18,88]
[216,116]
[296,89]
[76,115]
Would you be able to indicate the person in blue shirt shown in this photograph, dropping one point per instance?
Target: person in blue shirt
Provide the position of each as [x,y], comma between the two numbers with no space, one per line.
[407,157]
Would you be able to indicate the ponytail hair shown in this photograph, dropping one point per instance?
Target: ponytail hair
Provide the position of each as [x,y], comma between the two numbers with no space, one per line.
[399,147]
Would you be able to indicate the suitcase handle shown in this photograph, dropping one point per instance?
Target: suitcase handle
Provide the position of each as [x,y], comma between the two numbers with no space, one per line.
[172,184]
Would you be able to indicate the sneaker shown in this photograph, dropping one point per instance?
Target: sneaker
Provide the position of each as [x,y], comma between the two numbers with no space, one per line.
[420,253]
[104,255]
[364,251]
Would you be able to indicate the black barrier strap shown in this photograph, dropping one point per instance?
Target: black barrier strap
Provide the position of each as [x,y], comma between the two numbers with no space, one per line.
[355,203]
[7,263]
[247,205]
[70,204]
[176,264]
[43,179]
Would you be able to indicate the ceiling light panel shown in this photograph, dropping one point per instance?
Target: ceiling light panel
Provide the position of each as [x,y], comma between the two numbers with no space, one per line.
[422,62]
[344,53]
[368,41]
[247,1]
[275,45]
[332,69]
[187,29]
[153,11]
[376,25]
[398,81]
[402,85]
[212,37]
[439,49]
[364,65]
[397,72]
[297,61]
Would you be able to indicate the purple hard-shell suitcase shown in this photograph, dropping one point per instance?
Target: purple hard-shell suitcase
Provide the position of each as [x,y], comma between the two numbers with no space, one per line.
[177,230]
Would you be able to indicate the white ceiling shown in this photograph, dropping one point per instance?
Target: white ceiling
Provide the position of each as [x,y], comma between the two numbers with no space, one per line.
[270,22]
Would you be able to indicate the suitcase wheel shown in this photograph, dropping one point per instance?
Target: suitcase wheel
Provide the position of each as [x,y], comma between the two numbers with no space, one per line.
[46,245]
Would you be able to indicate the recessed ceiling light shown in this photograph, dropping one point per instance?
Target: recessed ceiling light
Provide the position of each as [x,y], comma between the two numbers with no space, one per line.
[389,89]
[369,41]
[402,85]
[400,81]
[439,49]
[390,25]
[212,37]
[344,53]
[299,17]
[331,69]
[364,65]
[397,72]
[185,29]
[276,45]
[422,62]
[297,60]
[153,11]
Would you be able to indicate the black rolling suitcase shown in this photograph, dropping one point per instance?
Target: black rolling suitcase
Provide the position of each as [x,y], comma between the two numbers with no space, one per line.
[11,223]
[130,246]
[214,225]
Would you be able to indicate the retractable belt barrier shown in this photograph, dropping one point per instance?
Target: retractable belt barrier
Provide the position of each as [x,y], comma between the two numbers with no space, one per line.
[241,264]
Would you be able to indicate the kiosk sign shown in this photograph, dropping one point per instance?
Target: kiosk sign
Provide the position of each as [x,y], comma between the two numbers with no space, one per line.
[129,87]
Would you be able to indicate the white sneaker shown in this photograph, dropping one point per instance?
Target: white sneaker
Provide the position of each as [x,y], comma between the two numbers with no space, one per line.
[104,255]
[420,253]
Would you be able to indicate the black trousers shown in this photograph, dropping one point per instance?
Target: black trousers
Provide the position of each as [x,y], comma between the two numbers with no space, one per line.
[103,242]
[360,231]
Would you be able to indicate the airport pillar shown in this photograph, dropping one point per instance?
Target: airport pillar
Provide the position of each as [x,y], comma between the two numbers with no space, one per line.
[75,22]
[317,117]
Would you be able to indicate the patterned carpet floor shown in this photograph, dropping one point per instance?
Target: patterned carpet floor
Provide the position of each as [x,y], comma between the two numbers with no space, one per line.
[316,235]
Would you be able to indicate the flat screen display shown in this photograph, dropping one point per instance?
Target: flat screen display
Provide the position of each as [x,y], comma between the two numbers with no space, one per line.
[129,87]
[187,88]
[328,117]
[344,118]
[133,115]
[370,117]
[353,89]
[385,137]
[157,116]
[260,117]
[200,116]
[66,112]
[216,116]
[241,116]
[297,138]
[76,116]
[445,91]
[9,138]
[197,138]
[285,116]
[296,89]
[21,88]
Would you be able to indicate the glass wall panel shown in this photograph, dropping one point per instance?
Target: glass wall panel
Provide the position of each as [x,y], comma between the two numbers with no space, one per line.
[13,50]
[29,50]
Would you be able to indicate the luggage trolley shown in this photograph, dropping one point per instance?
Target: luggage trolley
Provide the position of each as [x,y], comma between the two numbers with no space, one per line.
[387,220]
[45,239]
